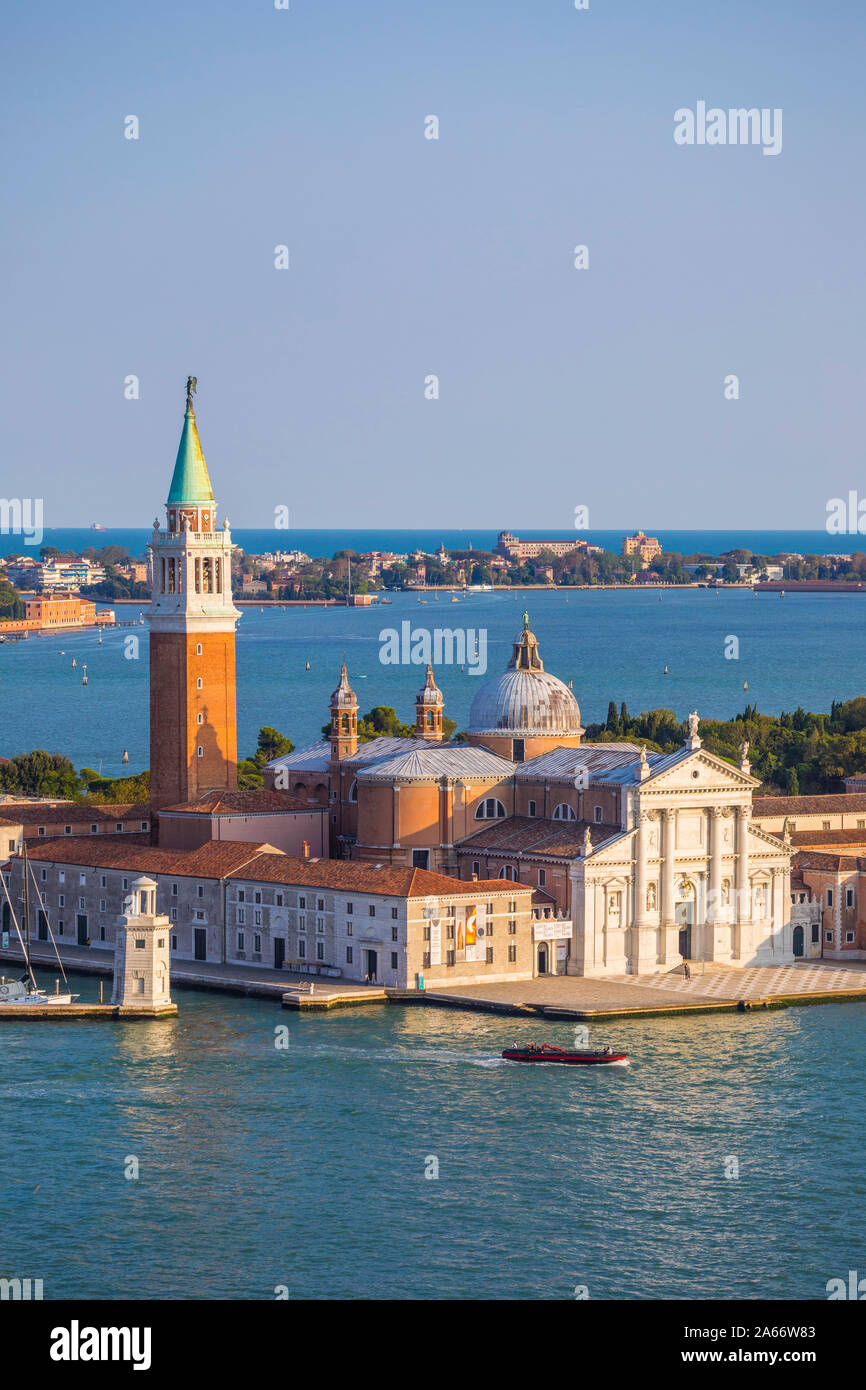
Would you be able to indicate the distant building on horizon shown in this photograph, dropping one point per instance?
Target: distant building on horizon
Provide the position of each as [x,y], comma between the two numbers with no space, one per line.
[646,547]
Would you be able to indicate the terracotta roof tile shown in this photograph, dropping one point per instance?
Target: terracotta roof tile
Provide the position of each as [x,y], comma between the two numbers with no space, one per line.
[78,812]
[216,859]
[355,876]
[248,801]
[528,835]
[807,805]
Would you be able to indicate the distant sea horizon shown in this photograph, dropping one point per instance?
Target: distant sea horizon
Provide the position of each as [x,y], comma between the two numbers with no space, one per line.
[319,542]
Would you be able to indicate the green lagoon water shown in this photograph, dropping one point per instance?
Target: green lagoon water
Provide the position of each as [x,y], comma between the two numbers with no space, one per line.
[305,1167]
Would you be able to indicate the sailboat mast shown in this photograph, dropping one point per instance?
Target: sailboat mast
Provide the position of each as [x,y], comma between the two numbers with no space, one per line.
[27,919]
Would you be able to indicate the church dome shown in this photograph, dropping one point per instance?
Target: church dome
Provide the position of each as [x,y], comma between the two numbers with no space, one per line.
[525,700]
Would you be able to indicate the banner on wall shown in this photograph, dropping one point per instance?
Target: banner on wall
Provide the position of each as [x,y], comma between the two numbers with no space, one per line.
[475,947]
[435,943]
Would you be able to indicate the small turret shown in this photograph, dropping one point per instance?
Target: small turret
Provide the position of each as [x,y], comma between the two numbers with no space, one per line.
[429,704]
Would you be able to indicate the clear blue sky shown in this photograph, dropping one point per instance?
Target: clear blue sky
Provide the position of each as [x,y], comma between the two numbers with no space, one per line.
[410,257]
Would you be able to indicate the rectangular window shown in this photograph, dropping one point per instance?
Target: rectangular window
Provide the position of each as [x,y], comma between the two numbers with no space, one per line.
[61,901]
[174,914]
[60,928]
[257,942]
[348,928]
[512,906]
[371,910]
[124,884]
[394,914]
[542,878]
[426,959]
[450,957]
[826,825]
[101,904]
[82,878]
[103,880]
[849,897]
[200,890]
[257,897]
[829,897]
[849,936]
[348,955]
[512,952]
[93,829]
[320,924]
[531,808]
[394,934]
[512,927]
[241,915]
[816,935]
[596,815]
[62,877]
[476,867]
[350,908]
[321,905]
[394,961]
[258,917]
[278,899]
[828,936]
[449,931]
[320,950]
[302,949]
[81,904]
[174,943]
[67,829]
[489,955]
[242,897]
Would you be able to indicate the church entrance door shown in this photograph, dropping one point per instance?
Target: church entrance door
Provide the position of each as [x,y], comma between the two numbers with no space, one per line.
[684,911]
[542,959]
[798,941]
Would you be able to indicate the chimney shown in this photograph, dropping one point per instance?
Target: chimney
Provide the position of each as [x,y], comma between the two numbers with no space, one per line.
[305,849]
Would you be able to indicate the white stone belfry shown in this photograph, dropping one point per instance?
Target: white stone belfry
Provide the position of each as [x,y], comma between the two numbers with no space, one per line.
[141,952]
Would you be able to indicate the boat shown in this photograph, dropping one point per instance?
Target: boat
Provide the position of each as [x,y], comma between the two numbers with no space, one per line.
[26,990]
[95,526]
[582,1057]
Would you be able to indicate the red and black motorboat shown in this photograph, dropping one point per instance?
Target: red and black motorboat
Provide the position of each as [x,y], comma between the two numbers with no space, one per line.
[581,1057]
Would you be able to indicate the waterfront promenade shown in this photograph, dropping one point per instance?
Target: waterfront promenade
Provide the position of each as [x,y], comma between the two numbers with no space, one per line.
[716,990]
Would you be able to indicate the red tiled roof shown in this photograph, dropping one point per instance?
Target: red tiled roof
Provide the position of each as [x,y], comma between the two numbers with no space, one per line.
[815,859]
[807,805]
[854,839]
[77,812]
[216,859]
[347,875]
[528,835]
[260,863]
[248,801]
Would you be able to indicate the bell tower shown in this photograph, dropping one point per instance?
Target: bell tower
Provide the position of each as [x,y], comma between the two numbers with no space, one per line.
[428,710]
[193,734]
[344,719]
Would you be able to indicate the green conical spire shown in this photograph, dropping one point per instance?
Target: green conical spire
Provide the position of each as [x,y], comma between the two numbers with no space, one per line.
[190,481]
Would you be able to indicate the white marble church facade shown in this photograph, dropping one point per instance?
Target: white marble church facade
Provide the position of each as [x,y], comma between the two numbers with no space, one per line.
[688,878]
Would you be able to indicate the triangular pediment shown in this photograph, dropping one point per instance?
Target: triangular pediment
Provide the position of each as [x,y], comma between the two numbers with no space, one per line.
[714,774]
